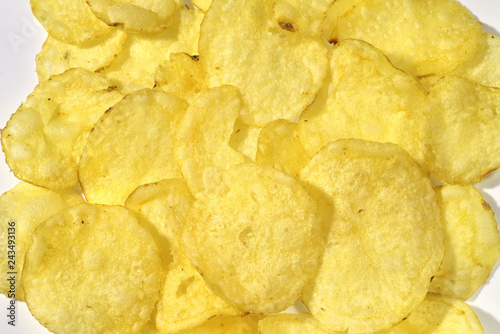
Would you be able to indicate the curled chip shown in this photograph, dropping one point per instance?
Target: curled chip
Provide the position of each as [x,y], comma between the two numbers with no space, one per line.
[185,300]
[44,139]
[244,139]
[256,239]
[70,21]
[385,238]
[391,108]
[227,325]
[202,4]
[439,314]
[462,141]
[277,72]
[22,209]
[279,147]
[303,323]
[303,16]
[472,241]
[92,269]
[56,56]
[131,145]
[421,37]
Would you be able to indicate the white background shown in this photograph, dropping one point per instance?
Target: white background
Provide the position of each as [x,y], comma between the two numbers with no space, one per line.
[21,38]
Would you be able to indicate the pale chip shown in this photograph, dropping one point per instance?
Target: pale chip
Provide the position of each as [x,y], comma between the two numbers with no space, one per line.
[202,4]
[301,15]
[228,325]
[245,139]
[303,323]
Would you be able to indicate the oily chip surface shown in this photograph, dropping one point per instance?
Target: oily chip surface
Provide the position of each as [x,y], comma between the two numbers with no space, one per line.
[256,239]
[385,238]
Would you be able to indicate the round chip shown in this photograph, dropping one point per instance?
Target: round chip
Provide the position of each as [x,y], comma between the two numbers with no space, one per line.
[92,269]
[256,239]
[385,238]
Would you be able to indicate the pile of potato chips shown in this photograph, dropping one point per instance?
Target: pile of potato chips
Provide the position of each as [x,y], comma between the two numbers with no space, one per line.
[238,156]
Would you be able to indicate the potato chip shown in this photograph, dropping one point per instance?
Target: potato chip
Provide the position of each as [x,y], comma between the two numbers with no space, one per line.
[92,269]
[301,16]
[279,147]
[56,56]
[202,4]
[472,241]
[462,141]
[390,109]
[420,37]
[69,21]
[203,137]
[439,315]
[245,138]
[385,237]
[256,239]
[228,325]
[131,145]
[482,67]
[134,68]
[278,72]
[185,300]
[138,15]
[44,139]
[22,209]
[303,323]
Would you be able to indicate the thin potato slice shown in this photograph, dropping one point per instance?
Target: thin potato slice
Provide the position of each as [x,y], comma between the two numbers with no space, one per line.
[57,57]
[70,21]
[228,325]
[44,139]
[245,138]
[301,15]
[462,141]
[383,219]
[390,109]
[279,147]
[278,72]
[421,37]
[22,209]
[202,144]
[439,315]
[96,267]
[185,300]
[132,144]
[256,239]
[202,4]
[472,242]
[303,323]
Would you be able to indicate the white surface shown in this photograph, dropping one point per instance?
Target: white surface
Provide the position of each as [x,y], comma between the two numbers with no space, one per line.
[20,40]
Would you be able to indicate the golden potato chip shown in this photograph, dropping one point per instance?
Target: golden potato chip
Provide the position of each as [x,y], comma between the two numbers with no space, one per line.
[185,300]
[428,81]
[421,37]
[244,139]
[462,141]
[472,241]
[202,4]
[44,139]
[182,76]
[278,72]
[301,15]
[22,209]
[228,325]
[385,238]
[390,109]
[203,137]
[279,147]
[138,15]
[303,323]
[92,269]
[134,68]
[482,67]
[56,56]
[439,315]
[256,239]
[131,145]
[70,21]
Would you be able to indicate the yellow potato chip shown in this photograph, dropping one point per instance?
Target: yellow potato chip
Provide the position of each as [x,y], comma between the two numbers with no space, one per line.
[185,300]
[385,237]
[22,209]
[462,141]
[301,15]
[390,109]
[134,68]
[256,239]
[70,21]
[96,268]
[44,139]
[439,315]
[228,325]
[56,56]
[131,145]
[245,138]
[421,37]
[303,323]
[279,147]
[203,138]
[202,4]
[278,72]
[472,241]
